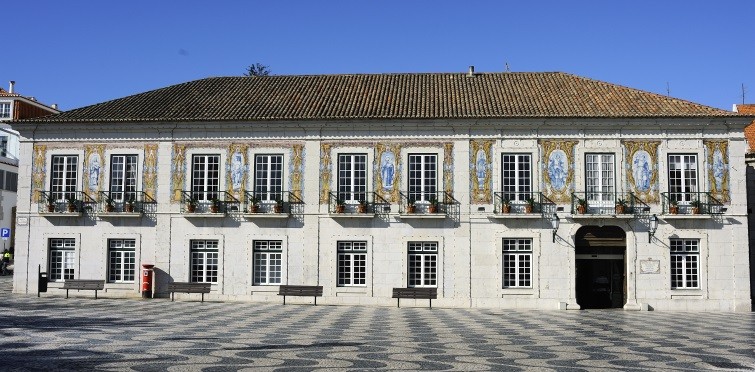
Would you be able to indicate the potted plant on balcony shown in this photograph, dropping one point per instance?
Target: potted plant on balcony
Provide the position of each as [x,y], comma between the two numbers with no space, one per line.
[506,205]
[410,207]
[673,206]
[621,206]
[278,207]
[191,204]
[340,205]
[50,203]
[214,205]
[530,204]
[581,206]
[130,204]
[254,204]
[433,208]
[363,206]
[696,204]
[71,202]
[109,204]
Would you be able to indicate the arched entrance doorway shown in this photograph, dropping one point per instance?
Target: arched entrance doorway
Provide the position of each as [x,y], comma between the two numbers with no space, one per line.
[601,267]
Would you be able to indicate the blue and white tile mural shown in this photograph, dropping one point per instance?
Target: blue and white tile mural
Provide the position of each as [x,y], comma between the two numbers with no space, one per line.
[480,173]
[717,156]
[558,170]
[641,167]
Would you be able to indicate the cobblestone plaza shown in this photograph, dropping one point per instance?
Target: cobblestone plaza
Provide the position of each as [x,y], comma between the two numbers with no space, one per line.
[80,333]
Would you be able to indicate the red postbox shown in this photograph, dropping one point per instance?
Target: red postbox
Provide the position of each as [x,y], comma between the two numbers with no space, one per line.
[147,273]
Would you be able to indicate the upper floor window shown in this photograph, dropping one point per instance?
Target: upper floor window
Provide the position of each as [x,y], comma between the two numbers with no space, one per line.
[682,177]
[11,181]
[423,176]
[205,176]
[4,109]
[352,177]
[123,177]
[63,178]
[268,177]
[685,263]
[599,177]
[516,172]
[4,146]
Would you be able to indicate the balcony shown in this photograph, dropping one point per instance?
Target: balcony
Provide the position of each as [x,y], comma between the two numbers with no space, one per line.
[357,205]
[269,204]
[122,204]
[690,205]
[64,203]
[208,204]
[522,205]
[429,205]
[622,205]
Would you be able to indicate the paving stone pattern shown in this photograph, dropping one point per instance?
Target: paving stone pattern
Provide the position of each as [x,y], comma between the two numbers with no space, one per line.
[79,333]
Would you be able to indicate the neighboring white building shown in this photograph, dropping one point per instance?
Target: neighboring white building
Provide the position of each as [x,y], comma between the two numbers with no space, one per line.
[469,142]
[13,106]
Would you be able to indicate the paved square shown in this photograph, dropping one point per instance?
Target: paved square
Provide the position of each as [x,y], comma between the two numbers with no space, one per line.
[107,334]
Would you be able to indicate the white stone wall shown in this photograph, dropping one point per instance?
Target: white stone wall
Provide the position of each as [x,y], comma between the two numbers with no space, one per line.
[470,244]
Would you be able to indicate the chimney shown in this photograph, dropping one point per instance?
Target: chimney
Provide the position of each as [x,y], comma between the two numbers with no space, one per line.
[471,71]
[12,83]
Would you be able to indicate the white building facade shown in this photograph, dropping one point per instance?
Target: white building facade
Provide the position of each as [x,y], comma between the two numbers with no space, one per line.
[512,190]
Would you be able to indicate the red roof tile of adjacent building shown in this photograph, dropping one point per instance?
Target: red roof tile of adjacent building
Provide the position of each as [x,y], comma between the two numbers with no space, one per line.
[748,109]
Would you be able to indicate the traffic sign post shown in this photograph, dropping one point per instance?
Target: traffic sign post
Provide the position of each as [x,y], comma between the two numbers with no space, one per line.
[5,233]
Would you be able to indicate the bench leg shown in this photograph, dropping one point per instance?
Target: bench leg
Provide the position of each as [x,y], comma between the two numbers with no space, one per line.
[202,297]
[284,300]
[315,300]
[398,302]
[431,303]
[66,293]
[171,296]
[95,294]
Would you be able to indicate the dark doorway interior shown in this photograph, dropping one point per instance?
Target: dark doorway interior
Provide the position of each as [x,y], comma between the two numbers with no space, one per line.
[601,267]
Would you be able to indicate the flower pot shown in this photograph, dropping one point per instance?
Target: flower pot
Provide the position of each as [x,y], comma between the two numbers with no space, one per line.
[255,208]
[278,208]
[51,207]
[432,208]
[72,208]
[506,208]
[619,209]
[340,208]
[214,209]
[581,209]
[673,209]
[109,208]
[527,208]
[695,210]
[362,208]
[191,208]
[410,209]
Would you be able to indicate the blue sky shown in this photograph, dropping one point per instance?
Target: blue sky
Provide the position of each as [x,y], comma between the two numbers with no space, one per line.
[77,53]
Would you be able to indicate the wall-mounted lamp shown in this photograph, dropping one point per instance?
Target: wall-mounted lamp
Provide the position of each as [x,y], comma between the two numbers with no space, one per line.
[554,224]
[652,227]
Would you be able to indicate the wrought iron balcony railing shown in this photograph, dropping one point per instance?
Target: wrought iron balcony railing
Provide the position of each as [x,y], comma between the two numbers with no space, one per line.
[607,203]
[208,202]
[357,203]
[439,202]
[522,203]
[690,203]
[123,202]
[64,202]
[269,202]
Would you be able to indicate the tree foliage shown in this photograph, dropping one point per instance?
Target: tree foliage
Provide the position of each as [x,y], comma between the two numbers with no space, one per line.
[257,69]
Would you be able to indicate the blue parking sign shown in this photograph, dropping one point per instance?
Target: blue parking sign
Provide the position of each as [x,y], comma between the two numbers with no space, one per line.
[5,233]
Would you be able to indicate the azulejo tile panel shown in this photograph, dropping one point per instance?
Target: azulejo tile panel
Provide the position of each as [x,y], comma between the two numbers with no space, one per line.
[94,166]
[149,180]
[480,166]
[38,171]
[237,170]
[177,181]
[641,167]
[557,168]
[388,172]
[717,156]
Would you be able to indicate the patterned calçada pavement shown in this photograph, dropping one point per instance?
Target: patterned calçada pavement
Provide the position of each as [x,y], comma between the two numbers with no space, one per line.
[80,333]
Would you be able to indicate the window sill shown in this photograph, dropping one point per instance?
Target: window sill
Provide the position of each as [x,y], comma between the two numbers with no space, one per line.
[120,214]
[686,216]
[419,216]
[505,216]
[351,215]
[203,215]
[265,215]
[596,216]
[60,214]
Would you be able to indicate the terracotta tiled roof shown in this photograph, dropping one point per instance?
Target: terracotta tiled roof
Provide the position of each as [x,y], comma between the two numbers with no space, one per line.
[4,93]
[748,109]
[388,96]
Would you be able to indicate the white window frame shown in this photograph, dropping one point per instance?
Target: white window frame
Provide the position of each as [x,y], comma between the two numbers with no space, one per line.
[119,269]
[64,182]
[423,258]
[204,260]
[355,189]
[6,109]
[352,263]
[61,258]
[124,182]
[420,185]
[267,259]
[519,186]
[685,264]
[683,188]
[210,187]
[268,186]
[600,178]
[517,253]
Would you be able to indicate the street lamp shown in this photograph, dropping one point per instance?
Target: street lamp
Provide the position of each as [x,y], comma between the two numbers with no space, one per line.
[554,224]
[653,226]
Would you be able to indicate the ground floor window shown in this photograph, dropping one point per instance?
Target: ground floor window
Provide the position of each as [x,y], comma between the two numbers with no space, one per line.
[121,260]
[268,258]
[352,264]
[685,263]
[423,264]
[62,259]
[204,261]
[517,263]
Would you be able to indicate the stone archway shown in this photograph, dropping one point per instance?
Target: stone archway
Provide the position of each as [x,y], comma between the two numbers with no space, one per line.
[600,267]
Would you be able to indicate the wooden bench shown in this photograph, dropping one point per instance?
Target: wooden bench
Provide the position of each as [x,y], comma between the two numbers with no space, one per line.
[184,287]
[300,290]
[83,284]
[416,293]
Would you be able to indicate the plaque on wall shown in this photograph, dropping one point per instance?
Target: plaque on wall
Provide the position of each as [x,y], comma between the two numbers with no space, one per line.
[650,267]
